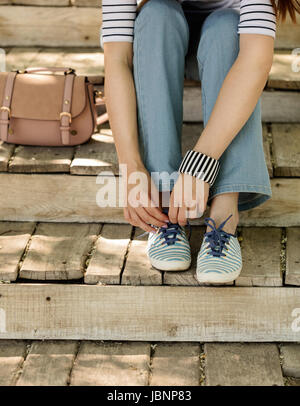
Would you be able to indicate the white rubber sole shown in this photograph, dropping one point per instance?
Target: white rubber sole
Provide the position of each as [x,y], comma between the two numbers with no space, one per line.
[217,279]
[170,266]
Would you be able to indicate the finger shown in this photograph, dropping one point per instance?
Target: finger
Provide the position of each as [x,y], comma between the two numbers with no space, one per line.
[157,213]
[149,219]
[140,223]
[173,211]
[182,218]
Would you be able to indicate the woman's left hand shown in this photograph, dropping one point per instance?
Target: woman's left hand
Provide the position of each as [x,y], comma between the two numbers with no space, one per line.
[188,199]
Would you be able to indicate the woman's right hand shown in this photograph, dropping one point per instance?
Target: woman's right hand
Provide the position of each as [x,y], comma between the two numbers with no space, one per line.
[142,208]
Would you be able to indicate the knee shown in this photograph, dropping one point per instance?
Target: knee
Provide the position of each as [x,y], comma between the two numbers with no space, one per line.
[219,31]
[160,15]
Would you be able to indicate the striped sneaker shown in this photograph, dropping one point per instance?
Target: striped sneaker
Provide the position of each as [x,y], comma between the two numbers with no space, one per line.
[169,249]
[219,259]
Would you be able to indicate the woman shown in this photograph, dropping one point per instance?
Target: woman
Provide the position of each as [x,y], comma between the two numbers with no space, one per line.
[148,51]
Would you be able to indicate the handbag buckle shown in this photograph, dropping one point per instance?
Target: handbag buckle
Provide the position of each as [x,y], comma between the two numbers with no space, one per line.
[4,108]
[65,113]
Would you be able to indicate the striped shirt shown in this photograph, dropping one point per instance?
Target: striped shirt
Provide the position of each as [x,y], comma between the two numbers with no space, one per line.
[256,17]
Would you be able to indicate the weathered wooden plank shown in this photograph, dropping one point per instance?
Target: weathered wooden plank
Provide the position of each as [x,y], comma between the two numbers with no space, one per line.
[291,360]
[54,200]
[288,34]
[60,3]
[187,278]
[108,258]
[138,270]
[261,257]
[111,364]
[12,354]
[82,22]
[87,61]
[88,3]
[145,313]
[41,159]
[96,156]
[267,140]
[279,106]
[59,251]
[292,276]
[175,364]
[22,58]
[242,365]
[283,75]
[286,149]
[6,151]
[13,240]
[48,363]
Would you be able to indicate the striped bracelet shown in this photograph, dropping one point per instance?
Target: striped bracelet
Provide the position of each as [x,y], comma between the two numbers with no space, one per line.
[201,166]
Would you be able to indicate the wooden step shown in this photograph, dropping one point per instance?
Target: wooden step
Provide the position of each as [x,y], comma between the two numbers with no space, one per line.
[143,313]
[114,254]
[99,363]
[90,62]
[82,22]
[54,176]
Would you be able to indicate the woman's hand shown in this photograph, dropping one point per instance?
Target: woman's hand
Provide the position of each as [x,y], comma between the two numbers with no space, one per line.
[142,199]
[188,199]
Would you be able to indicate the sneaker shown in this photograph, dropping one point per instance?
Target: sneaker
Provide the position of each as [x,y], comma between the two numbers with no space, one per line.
[219,259]
[169,249]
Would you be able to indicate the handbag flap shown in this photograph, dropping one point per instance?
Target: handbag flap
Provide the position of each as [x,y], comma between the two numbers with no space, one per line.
[40,96]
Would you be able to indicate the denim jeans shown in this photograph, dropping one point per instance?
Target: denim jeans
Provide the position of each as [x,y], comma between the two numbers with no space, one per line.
[169,42]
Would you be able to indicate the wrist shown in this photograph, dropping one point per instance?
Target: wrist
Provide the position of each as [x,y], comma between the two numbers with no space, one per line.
[201,166]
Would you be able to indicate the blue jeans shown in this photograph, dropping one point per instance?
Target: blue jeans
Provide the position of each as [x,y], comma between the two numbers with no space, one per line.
[166,44]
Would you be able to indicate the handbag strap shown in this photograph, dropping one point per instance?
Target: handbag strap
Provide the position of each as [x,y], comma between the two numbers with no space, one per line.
[65,115]
[6,104]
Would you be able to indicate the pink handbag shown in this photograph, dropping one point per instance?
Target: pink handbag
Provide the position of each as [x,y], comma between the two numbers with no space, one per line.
[39,107]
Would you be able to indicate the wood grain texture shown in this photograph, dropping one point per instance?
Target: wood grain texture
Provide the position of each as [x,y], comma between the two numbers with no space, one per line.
[108,258]
[48,363]
[111,364]
[59,251]
[279,106]
[291,360]
[175,364]
[13,240]
[145,313]
[88,3]
[12,354]
[138,270]
[41,159]
[286,149]
[292,276]
[54,200]
[261,249]
[19,26]
[6,151]
[60,3]
[242,364]
[284,73]
[97,156]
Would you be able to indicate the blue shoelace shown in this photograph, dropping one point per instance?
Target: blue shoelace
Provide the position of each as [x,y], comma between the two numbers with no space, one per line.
[217,238]
[170,234]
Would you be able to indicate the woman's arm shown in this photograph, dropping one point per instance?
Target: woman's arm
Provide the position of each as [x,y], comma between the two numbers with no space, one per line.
[121,101]
[239,94]
[236,101]
[121,106]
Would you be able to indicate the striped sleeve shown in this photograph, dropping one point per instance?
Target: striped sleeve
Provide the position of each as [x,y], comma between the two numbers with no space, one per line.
[257,17]
[118,18]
